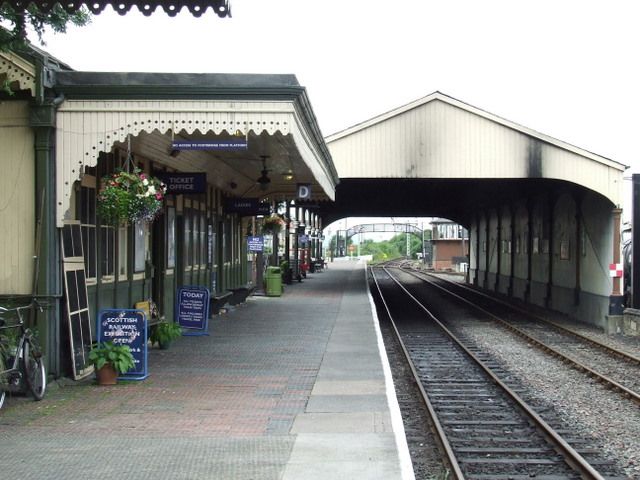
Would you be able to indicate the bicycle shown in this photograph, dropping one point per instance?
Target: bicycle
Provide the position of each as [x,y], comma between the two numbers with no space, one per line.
[23,354]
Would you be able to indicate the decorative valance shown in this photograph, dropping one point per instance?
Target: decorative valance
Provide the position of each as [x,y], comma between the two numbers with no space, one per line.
[147,7]
[87,127]
[15,69]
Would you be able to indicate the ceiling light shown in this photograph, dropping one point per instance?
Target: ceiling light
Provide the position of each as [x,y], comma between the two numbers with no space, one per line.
[264,180]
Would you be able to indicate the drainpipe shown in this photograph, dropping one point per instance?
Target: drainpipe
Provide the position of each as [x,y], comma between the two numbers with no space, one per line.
[42,119]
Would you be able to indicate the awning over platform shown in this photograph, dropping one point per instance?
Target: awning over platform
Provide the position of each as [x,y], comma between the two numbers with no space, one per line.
[269,113]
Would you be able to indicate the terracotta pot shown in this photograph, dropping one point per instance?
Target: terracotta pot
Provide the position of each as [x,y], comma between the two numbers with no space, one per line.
[107,375]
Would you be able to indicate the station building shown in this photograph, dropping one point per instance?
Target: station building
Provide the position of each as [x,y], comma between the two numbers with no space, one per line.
[251,140]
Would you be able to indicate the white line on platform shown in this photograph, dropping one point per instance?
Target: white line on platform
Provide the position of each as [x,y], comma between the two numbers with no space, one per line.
[406,466]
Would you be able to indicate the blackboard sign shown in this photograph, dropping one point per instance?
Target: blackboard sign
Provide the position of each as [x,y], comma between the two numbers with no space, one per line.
[193,310]
[126,327]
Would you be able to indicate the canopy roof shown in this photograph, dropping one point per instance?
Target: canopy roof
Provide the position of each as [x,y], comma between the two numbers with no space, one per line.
[147,7]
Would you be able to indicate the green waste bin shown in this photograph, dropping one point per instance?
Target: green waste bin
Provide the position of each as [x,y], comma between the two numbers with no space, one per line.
[273,278]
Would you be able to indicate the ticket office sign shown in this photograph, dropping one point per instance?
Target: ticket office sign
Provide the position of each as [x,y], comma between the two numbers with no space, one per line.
[127,327]
[193,310]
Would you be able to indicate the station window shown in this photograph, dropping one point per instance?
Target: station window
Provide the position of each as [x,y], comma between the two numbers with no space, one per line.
[122,252]
[171,237]
[195,237]
[188,251]
[139,246]
[87,217]
[203,239]
[107,250]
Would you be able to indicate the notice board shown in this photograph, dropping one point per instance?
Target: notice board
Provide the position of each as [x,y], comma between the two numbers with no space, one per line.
[192,310]
[126,327]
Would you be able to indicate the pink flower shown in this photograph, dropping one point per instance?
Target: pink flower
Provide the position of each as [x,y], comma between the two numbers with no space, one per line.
[158,196]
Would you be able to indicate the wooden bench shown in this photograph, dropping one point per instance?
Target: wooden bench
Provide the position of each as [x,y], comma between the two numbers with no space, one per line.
[216,302]
[150,310]
[240,294]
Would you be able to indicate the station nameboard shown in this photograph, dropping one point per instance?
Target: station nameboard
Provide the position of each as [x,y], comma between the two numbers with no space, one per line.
[126,327]
[193,310]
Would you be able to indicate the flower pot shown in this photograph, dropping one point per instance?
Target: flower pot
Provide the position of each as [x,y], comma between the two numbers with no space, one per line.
[164,345]
[107,375]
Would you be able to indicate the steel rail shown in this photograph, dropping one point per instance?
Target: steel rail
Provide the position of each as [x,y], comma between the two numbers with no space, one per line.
[437,426]
[614,351]
[571,456]
[609,382]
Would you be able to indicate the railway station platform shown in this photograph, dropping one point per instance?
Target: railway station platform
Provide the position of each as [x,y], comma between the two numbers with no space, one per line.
[291,387]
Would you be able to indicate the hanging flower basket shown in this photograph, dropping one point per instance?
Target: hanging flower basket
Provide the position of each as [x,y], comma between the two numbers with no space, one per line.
[130,197]
[272,224]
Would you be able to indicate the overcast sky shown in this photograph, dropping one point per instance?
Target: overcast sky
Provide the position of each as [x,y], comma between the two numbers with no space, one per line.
[566,68]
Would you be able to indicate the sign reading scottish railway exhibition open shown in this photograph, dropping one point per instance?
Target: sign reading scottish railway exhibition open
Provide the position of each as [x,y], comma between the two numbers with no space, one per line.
[127,327]
[193,310]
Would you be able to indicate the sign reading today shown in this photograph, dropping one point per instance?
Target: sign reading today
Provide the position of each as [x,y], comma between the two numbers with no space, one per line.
[126,327]
[193,310]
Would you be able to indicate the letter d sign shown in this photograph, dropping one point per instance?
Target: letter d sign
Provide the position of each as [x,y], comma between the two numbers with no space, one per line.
[304,191]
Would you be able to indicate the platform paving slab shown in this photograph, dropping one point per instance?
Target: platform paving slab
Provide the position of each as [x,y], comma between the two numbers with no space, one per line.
[238,404]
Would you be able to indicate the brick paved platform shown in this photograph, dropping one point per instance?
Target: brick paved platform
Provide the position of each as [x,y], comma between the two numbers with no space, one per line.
[283,388]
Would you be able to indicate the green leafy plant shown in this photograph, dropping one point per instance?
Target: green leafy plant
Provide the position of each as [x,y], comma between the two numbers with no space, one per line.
[13,34]
[130,197]
[119,356]
[165,332]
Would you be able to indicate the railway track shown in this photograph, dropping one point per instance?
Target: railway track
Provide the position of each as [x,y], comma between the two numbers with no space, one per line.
[485,428]
[614,368]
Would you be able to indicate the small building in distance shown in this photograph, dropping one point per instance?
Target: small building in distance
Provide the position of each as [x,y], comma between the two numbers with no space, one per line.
[450,243]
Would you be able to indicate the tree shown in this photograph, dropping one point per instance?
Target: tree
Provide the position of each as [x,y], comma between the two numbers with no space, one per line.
[13,36]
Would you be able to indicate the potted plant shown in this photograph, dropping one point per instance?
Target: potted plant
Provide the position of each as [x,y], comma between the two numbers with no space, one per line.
[272,224]
[130,197]
[110,360]
[287,273]
[164,333]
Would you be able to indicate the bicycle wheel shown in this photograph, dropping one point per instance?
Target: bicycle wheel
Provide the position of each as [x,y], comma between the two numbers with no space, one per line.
[34,371]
